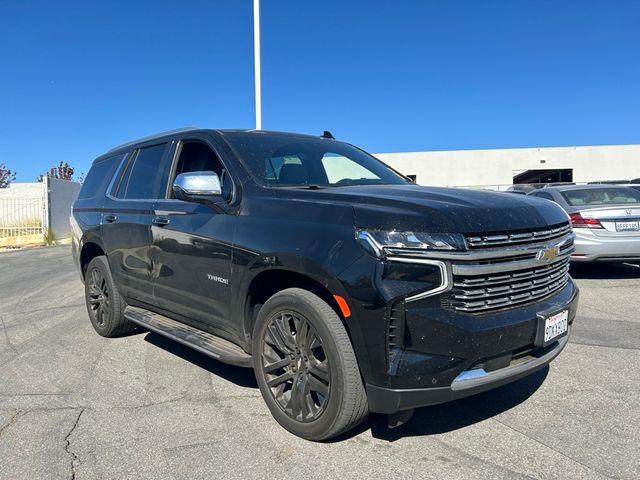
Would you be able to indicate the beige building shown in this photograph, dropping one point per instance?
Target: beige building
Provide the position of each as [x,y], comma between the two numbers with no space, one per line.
[520,165]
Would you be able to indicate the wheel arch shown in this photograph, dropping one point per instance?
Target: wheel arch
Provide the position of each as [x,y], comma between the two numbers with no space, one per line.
[269,282]
[88,252]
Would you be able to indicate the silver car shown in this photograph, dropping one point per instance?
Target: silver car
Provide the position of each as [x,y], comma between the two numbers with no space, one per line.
[605,219]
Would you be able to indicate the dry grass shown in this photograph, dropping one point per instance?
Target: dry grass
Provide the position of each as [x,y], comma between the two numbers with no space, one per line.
[26,226]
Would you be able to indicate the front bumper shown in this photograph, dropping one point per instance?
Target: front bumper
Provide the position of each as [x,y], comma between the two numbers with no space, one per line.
[457,357]
[469,382]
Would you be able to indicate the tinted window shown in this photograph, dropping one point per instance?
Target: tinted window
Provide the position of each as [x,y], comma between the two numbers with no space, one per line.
[99,177]
[601,196]
[148,178]
[120,187]
[288,160]
[545,195]
[197,157]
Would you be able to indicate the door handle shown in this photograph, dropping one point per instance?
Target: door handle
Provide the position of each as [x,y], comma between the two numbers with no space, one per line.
[110,218]
[160,221]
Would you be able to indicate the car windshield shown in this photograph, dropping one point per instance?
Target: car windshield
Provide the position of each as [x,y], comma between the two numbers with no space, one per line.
[601,196]
[280,160]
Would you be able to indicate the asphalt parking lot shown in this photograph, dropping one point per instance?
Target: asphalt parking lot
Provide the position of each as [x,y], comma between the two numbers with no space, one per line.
[75,405]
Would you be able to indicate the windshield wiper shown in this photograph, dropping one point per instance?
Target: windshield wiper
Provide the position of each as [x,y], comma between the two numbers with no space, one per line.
[310,187]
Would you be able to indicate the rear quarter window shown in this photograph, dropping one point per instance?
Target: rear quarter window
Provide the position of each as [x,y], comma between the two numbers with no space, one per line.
[99,176]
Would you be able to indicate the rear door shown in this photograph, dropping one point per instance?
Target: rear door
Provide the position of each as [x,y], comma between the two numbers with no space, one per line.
[127,216]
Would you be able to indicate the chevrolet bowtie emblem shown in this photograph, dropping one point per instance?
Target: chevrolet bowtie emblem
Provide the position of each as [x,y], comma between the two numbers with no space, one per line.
[548,254]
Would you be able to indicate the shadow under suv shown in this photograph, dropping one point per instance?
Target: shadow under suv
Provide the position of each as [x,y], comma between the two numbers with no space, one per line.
[345,286]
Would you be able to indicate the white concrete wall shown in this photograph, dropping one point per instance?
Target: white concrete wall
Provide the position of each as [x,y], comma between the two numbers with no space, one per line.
[22,205]
[49,200]
[497,167]
[62,194]
[23,190]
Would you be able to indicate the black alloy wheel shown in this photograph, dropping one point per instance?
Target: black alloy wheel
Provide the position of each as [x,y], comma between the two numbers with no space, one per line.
[99,299]
[105,305]
[306,367]
[295,366]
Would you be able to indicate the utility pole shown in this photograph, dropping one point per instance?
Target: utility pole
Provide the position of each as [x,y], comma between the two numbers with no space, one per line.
[256,59]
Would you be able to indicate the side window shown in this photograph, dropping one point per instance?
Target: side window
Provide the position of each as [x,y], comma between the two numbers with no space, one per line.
[197,157]
[145,176]
[99,177]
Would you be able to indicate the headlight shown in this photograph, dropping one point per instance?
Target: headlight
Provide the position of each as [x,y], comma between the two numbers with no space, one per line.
[381,242]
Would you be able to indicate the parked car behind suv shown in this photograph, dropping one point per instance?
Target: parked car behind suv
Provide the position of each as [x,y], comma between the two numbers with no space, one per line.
[345,286]
[606,220]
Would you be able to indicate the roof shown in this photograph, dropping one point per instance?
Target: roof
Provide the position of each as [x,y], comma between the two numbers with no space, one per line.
[158,136]
[591,186]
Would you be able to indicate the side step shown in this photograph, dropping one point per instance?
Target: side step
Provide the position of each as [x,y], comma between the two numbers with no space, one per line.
[216,347]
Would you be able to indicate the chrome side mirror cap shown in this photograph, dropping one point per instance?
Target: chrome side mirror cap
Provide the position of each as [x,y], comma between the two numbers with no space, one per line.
[193,186]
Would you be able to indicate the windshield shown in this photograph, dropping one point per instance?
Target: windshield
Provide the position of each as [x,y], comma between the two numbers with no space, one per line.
[277,160]
[601,196]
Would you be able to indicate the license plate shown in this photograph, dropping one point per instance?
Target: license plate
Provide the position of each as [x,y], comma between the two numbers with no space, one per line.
[555,325]
[627,226]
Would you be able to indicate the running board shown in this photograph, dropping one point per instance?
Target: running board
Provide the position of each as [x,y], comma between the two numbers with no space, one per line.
[211,345]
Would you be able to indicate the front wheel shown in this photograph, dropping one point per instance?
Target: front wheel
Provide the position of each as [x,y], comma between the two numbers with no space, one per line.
[305,366]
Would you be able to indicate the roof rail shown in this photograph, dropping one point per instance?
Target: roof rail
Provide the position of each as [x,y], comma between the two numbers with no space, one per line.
[152,137]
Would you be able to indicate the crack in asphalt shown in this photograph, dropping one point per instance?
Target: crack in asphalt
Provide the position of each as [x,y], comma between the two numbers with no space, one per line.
[10,422]
[462,453]
[48,309]
[161,402]
[62,394]
[601,345]
[74,456]
[6,336]
[599,310]
[41,334]
[588,467]
[192,445]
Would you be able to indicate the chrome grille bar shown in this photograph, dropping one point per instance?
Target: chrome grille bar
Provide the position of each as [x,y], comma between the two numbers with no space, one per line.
[487,241]
[492,292]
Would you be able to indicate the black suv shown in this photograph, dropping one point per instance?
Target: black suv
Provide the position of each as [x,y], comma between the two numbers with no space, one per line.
[345,286]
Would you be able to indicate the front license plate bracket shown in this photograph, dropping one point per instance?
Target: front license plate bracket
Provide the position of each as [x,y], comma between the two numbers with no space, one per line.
[551,327]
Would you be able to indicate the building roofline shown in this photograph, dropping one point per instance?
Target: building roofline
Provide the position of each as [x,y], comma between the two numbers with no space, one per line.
[413,152]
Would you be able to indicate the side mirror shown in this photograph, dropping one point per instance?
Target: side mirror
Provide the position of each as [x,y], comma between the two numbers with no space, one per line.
[197,187]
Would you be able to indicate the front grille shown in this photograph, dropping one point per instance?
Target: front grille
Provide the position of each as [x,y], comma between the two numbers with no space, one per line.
[517,238]
[481,293]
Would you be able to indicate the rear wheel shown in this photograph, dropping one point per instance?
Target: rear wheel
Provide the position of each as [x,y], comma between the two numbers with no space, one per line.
[305,366]
[104,303]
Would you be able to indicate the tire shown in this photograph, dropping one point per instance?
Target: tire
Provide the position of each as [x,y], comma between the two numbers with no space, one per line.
[305,366]
[105,306]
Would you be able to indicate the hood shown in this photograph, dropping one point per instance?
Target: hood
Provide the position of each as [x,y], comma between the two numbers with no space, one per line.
[433,209]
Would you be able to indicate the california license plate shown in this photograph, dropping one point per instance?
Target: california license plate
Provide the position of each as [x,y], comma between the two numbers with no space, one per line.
[627,226]
[555,325]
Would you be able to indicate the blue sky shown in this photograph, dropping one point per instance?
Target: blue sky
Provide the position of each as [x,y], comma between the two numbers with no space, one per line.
[80,77]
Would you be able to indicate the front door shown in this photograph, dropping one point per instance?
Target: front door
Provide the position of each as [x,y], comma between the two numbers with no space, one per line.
[191,251]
